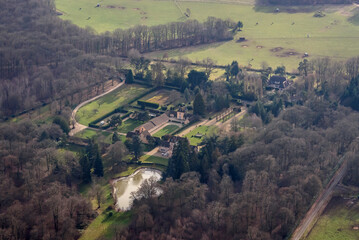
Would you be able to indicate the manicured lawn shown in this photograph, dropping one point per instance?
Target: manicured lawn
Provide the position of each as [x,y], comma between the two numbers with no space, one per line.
[129,125]
[202,130]
[337,222]
[166,130]
[154,159]
[108,103]
[90,133]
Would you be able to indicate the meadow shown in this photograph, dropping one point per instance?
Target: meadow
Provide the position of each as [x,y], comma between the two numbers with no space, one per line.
[337,222]
[108,103]
[275,38]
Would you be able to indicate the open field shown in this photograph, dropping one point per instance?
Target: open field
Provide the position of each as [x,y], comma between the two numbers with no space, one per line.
[337,222]
[278,38]
[107,103]
[166,130]
[201,130]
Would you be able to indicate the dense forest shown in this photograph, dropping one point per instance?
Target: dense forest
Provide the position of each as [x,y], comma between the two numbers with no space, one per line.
[253,186]
[43,58]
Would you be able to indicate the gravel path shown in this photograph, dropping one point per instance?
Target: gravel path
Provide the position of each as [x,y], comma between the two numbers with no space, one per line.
[78,126]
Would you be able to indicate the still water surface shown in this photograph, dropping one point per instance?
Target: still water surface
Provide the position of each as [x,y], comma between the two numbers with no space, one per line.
[124,186]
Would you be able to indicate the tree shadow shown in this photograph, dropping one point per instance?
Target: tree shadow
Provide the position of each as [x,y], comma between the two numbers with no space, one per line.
[265,7]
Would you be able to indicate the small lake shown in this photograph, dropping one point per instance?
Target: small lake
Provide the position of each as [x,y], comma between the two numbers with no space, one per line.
[123,187]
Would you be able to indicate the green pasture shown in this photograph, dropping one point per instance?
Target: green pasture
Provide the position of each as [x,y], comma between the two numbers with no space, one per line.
[278,38]
[337,223]
[202,130]
[108,103]
[154,159]
[166,130]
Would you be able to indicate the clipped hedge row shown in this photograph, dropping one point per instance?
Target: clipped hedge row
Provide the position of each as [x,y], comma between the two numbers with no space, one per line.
[148,104]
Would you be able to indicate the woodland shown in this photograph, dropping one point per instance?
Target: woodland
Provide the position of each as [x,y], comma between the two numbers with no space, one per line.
[256,183]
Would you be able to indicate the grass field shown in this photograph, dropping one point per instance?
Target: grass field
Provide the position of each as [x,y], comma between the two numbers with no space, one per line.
[278,38]
[202,130]
[166,130]
[154,159]
[164,97]
[129,125]
[337,222]
[104,224]
[107,103]
[90,133]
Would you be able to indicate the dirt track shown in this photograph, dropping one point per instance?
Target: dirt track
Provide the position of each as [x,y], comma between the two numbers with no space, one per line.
[319,205]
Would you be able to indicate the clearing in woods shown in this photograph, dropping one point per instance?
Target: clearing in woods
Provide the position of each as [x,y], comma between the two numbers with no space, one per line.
[293,30]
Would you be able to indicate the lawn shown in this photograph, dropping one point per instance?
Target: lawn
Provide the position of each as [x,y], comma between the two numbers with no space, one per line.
[163,97]
[103,225]
[166,130]
[91,133]
[202,130]
[108,103]
[337,222]
[154,159]
[278,38]
[129,125]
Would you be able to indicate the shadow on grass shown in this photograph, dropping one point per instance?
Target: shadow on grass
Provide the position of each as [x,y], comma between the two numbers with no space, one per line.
[355,18]
[268,8]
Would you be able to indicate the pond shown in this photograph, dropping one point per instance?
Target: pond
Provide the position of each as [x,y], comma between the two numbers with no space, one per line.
[123,187]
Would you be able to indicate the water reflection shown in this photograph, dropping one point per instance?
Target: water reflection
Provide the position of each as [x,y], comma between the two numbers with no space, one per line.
[124,186]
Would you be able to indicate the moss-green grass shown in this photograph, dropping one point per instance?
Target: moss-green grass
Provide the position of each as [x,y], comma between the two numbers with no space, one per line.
[202,130]
[154,159]
[129,125]
[104,224]
[108,103]
[337,223]
[333,35]
[91,133]
[166,130]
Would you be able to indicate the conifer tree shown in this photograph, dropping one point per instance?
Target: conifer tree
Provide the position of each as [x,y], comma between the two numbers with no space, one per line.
[199,107]
[98,165]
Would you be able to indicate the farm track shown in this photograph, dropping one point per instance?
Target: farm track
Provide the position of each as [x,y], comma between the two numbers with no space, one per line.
[319,205]
[78,126]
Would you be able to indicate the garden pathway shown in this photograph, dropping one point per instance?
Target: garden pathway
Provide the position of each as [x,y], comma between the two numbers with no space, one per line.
[78,126]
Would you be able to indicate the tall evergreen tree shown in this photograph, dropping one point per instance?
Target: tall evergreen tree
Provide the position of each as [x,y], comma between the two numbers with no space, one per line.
[137,147]
[86,168]
[129,77]
[199,107]
[98,166]
[182,160]
[115,137]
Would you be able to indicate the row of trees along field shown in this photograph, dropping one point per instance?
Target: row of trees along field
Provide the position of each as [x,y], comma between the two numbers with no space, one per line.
[43,58]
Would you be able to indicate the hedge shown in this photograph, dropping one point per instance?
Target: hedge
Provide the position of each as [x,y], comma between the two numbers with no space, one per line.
[148,104]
